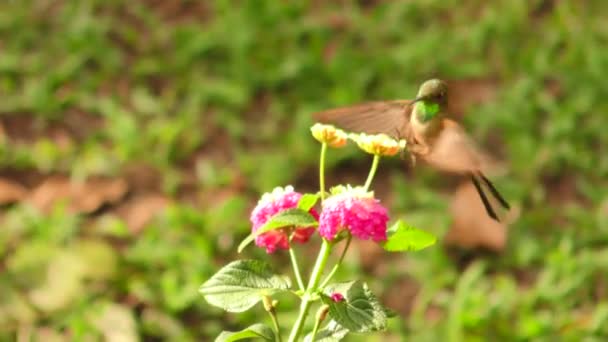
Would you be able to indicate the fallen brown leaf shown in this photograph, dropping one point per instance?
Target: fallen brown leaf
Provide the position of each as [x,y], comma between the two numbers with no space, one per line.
[11,192]
[80,197]
[139,211]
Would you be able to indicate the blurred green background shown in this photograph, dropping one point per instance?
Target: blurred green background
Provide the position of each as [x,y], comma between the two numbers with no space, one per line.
[135,136]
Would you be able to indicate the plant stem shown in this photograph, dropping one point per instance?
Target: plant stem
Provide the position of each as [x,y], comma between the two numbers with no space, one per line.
[315,329]
[315,277]
[275,324]
[372,172]
[337,265]
[322,170]
[296,269]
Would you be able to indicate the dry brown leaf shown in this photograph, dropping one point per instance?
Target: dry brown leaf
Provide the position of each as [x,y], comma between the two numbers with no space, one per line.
[11,192]
[139,211]
[471,226]
[80,197]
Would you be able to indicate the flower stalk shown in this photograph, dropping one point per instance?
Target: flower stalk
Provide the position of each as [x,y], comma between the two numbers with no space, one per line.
[307,299]
[322,170]
[372,172]
[319,318]
[337,265]
[270,307]
[296,269]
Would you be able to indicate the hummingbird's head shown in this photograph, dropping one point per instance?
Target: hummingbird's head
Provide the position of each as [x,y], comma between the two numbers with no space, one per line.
[432,97]
[433,91]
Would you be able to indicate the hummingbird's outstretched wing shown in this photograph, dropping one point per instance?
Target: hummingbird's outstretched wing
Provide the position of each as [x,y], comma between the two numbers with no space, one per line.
[452,150]
[388,117]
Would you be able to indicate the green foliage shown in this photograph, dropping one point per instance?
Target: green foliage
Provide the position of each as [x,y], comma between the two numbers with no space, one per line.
[256,330]
[230,87]
[360,311]
[241,284]
[308,201]
[402,237]
[333,332]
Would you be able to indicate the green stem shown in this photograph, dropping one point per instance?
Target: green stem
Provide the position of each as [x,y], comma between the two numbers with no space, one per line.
[296,269]
[315,329]
[315,277]
[322,170]
[275,324]
[337,265]
[372,172]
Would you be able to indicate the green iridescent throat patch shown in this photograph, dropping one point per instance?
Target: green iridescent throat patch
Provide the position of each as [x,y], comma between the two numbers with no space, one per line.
[427,111]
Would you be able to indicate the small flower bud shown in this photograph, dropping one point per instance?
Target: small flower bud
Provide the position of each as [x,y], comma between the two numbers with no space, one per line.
[269,304]
[322,313]
[378,144]
[329,134]
[336,297]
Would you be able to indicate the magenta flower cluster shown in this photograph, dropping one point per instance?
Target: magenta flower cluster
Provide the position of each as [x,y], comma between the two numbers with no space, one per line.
[270,204]
[355,210]
[351,209]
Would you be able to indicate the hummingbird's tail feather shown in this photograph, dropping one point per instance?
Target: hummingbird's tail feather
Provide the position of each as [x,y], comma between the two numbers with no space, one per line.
[494,192]
[484,198]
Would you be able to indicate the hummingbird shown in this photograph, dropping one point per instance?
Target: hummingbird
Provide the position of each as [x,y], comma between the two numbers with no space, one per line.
[430,135]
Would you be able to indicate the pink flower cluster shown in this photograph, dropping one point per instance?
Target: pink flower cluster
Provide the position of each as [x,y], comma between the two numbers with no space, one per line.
[351,209]
[270,204]
[355,210]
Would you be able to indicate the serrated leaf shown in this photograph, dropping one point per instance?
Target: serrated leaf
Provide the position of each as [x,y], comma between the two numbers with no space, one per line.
[293,217]
[402,238]
[241,284]
[333,332]
[257,330]
[307,201]
[360,311]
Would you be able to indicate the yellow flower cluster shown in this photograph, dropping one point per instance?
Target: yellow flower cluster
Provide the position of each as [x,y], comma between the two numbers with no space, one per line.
[332,136]
[378,144]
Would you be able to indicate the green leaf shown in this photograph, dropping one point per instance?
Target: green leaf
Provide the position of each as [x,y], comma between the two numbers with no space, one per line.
[307,201]
[257,330]
[402,237]
[333,332]
[293,217]
[241,284]
[360,311]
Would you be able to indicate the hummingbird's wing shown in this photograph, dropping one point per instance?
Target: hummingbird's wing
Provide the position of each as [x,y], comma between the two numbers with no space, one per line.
[388,117]
[452,150]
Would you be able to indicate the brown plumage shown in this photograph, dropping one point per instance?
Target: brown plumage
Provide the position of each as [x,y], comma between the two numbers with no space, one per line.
[430,135]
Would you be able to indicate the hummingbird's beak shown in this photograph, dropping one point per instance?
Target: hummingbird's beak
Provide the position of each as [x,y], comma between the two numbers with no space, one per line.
[419,98]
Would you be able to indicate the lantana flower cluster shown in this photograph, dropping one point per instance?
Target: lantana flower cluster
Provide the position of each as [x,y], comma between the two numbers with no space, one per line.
[347,210]
[270,204]
[353,210]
